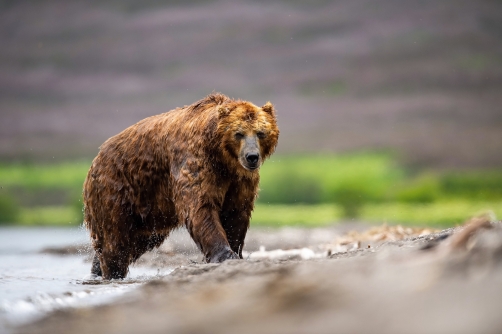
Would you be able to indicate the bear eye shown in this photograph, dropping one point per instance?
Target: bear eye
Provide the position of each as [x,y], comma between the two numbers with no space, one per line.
[239,136]
[260,135]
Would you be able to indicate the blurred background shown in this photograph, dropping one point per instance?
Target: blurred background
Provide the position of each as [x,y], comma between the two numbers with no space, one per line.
[390,111]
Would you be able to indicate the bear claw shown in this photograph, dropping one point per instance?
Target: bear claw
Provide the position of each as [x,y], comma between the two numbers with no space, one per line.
[223,255]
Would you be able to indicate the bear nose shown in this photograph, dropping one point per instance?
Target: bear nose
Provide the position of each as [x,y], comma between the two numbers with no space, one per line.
[252,158]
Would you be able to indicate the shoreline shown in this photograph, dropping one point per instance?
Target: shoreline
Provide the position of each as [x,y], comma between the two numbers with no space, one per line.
[449,281]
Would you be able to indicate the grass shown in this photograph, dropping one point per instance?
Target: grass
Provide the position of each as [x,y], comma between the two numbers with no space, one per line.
[300,190]
[295,215]
[24,184]
[66,175]
[440,214]
[325,178]
[50,215]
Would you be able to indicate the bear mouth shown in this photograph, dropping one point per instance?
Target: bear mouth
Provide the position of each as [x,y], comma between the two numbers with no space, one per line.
[249,167]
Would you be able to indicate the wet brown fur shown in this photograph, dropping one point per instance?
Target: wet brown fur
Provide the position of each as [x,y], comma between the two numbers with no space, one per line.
[173,169]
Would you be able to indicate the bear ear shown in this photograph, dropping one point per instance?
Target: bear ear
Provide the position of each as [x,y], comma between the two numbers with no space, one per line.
[269,108]
[223,111]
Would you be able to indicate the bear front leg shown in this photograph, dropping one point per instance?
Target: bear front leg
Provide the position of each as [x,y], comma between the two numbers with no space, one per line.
[235,223]
[206,230]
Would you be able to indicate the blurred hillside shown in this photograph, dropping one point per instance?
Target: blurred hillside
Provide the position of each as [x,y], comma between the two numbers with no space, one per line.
[423,78]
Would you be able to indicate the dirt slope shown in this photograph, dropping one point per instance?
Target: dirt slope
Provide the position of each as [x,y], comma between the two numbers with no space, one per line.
[447,282]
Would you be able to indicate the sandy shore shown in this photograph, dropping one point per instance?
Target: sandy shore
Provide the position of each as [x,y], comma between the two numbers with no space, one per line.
[445,282]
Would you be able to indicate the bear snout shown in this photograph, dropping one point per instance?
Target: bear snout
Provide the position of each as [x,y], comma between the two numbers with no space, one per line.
[252,158]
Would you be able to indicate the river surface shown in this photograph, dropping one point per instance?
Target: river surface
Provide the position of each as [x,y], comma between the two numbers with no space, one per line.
[33,282]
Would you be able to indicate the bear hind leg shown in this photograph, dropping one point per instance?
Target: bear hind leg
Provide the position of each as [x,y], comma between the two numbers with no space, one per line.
[114,264]
[96,266]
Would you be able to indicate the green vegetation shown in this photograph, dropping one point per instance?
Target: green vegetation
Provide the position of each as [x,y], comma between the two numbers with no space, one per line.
[438,214]
[373,187]
[50,215]
[9,210]
[37,194]
[326,178]
[67,175]
[295,215]
[305,190]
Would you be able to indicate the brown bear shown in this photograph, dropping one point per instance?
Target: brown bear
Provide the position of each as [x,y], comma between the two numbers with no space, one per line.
[195,166]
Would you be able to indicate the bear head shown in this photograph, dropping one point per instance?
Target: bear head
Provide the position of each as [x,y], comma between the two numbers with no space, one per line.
[249,134]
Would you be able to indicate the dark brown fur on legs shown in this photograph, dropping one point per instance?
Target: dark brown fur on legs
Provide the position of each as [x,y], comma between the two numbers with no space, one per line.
[195,166]
[234,217]
[96,266]
[116,262]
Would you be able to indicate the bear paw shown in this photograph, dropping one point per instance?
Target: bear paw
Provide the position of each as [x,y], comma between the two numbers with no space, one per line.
[222,255]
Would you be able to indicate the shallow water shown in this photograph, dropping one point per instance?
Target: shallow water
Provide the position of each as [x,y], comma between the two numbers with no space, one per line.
[34,283]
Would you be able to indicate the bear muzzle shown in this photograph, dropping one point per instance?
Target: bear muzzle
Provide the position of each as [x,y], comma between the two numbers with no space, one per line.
[250,157]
